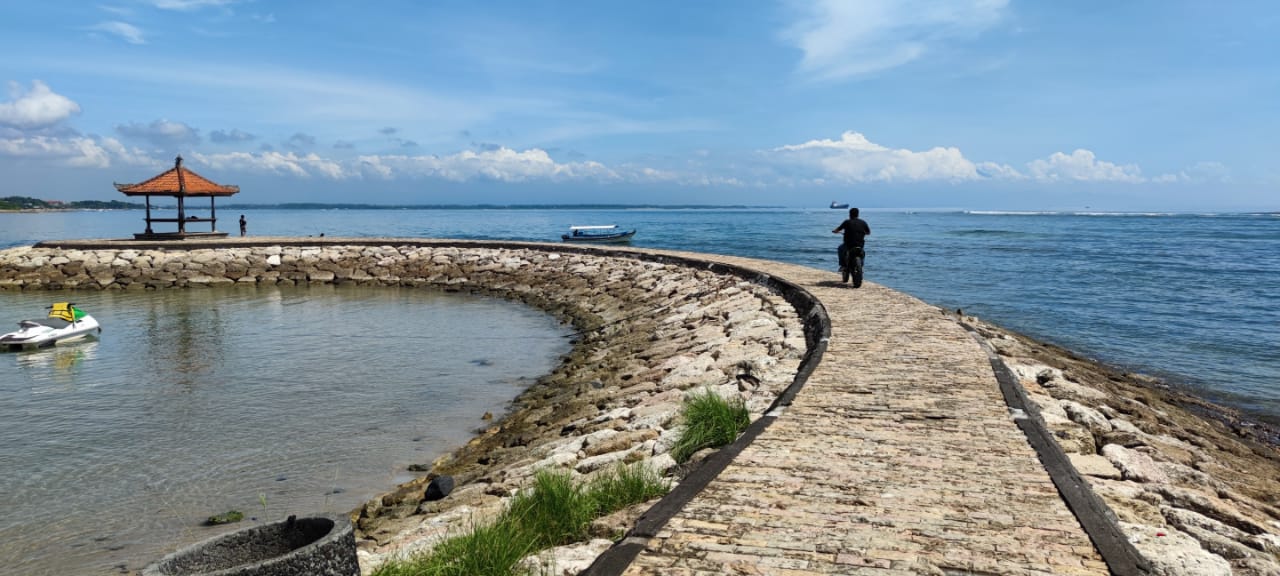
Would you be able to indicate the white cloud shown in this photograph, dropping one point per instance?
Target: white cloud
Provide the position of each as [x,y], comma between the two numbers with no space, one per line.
[121,11]
[190,5]
[162,133]
[300,140]
[854,158]
[130,156]
[1199,172]
[1082,166]
[39,107]
[848,38]
[851,159]
[998,171]
[304,97]
[501,164]
[303,166]
[130,33]
[232,135]
[78,151]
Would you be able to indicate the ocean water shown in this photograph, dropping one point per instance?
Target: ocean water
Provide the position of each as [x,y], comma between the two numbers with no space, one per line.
[1191,298]
[270,401]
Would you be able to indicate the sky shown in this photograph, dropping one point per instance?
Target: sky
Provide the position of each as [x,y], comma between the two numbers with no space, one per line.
[1138,105]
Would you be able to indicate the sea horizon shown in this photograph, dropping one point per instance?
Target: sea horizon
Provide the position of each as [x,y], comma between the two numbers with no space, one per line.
[985,211]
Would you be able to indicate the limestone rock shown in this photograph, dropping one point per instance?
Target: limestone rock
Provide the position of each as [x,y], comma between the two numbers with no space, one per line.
[1072,437]
[1087,417]
[1134,465]
[566,560]
[1173,553]
[1214,536]
[1094,465]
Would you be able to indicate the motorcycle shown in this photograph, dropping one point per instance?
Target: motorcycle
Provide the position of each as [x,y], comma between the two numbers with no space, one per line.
[851,258]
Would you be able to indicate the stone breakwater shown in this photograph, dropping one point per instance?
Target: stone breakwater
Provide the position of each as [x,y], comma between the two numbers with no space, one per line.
[650,332]
[1194,487]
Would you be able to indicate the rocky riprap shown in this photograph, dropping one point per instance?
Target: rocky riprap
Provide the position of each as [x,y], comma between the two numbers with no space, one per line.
[649,333]
[1195,486]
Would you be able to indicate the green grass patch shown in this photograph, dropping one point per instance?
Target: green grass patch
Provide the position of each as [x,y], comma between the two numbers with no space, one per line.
[228,517]
[709,421]
[624,486]
[554,512]
[490,549]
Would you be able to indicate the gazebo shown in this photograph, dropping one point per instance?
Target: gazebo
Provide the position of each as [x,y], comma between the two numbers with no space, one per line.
[181,183]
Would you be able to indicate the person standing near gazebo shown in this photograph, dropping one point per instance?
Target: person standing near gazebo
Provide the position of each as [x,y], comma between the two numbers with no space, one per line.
[243,224]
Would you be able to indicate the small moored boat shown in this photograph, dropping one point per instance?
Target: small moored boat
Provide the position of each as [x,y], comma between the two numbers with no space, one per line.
[598,234]
[65,323]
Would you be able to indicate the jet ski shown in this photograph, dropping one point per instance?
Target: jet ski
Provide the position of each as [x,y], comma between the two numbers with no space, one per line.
[65,323]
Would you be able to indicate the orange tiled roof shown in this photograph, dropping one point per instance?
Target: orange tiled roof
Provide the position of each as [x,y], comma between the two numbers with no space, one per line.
[177,181]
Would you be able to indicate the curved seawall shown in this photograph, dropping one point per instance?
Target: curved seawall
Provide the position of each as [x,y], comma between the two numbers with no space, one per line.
[897,442]
[650,327]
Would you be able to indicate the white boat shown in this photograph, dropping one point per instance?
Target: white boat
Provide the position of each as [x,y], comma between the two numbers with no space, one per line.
[835,204]
[598,234]
[65,323]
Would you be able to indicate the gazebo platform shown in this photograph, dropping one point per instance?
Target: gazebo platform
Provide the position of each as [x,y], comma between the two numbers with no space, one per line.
[177,235]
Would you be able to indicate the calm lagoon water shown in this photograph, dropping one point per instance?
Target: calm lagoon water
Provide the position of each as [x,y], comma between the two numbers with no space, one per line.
[271,401]
[1189,297]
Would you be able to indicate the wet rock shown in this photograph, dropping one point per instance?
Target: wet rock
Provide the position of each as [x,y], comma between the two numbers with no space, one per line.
[1047,376]
[439,487]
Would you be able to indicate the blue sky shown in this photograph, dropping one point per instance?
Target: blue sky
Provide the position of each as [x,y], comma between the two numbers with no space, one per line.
[980,104]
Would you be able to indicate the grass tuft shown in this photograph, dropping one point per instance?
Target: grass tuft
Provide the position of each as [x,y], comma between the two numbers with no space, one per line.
[625,486]
[709,421]
[555,511]
[227,517]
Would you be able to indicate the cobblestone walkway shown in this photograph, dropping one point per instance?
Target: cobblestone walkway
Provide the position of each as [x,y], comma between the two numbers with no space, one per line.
[898,456]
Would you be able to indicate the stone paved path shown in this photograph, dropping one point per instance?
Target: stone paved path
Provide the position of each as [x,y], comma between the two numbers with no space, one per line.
[898,456]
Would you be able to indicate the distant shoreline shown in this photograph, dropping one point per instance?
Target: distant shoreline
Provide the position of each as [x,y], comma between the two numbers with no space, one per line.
[316,206]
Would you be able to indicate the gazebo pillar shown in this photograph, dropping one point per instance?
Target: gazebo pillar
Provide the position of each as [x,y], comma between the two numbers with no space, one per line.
[182,217]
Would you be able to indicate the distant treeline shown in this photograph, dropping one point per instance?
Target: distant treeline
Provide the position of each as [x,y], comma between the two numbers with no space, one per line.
[25,203]
[320,206]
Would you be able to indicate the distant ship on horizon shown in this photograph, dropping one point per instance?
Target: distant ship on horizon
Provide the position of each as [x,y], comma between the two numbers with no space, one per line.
[835,204]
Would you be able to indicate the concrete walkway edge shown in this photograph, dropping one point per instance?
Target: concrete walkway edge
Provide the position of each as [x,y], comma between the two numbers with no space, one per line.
[1095,516]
